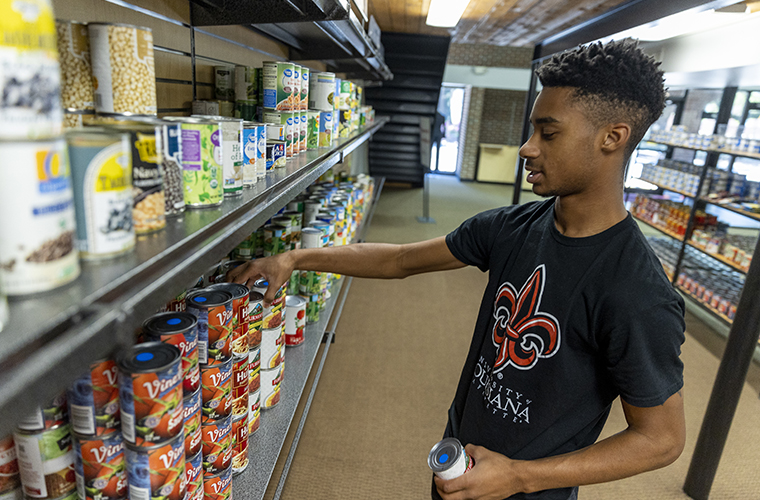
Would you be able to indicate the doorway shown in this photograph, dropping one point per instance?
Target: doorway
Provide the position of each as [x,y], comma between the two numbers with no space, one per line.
[445,141]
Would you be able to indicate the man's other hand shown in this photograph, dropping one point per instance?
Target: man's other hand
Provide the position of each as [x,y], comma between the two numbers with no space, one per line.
[490,479]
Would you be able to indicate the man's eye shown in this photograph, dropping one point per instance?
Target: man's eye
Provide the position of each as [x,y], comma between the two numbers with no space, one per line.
[548,136]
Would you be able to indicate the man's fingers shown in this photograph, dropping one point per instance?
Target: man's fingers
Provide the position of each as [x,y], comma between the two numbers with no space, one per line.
[450,487]
[474,451]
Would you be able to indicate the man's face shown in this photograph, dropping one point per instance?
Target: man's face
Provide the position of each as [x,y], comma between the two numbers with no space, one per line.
[560,155]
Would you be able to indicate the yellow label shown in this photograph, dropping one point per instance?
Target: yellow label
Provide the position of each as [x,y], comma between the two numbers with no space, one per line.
[27,25]
[111,175]
[144,45]
[146,148]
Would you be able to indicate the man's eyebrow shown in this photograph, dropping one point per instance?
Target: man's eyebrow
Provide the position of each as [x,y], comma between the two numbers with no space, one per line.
[544,120]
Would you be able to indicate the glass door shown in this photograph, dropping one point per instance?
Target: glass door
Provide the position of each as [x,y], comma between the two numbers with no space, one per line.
[445,143]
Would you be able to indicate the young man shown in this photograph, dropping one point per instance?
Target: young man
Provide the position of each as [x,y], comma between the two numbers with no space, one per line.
[577,310]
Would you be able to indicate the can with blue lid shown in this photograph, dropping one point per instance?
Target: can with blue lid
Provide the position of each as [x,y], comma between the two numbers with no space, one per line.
[213,309]
[179,329]
[448,459]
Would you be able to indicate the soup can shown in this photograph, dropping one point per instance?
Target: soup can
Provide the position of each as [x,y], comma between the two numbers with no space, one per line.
[179,329]
[254,414]
[275,131]
[150,393]
[213,309]
[295,320]
[203,176]
[271,381]
[76,71]
[279,86]
[271,347]
[53,414]
[275,154]
[100,467]
[449,460]
[192,405]
[217,445]
[296,106]
[93,400]
[255,319]
[224,78]
[232,154]
[9,476]
[37,251]
[273,313]
[123,68]
[194,475]
[101,170]
[304,88]
[322,91]
[239,322]
[216,391]
[240,384]
[157,471]
[218,486]
[254,371]
[312,308]
[46,462]
[240,443]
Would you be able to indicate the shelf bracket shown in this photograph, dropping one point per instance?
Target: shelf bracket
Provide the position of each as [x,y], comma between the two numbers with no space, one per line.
[328,336]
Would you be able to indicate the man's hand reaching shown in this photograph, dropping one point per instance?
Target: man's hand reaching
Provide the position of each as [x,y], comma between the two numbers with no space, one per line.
[276,270]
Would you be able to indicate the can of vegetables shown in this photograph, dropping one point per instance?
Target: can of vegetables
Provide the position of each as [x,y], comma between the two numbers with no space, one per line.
[194,476]
[216,391]
[213,309]
[157,471]
[218,486]
[100,467]
[192,423]
[217,445]
[94,400]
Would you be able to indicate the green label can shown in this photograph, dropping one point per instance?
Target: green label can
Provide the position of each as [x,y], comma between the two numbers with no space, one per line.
[279,86]
[312,129]
[246,84]
[201,163]
[302,127]
[325,129]
[46,462]
[274,240]
[304,88]
[312,309]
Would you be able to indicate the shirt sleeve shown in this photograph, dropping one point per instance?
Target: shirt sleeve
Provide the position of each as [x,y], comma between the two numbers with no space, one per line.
[471,242]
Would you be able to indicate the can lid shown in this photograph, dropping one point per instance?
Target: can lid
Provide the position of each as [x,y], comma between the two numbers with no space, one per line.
[255,296]
[444,454]
[168,323]
[261,283]
[235,289]
[310,230]
[208,298]
[148,357]
[294,301]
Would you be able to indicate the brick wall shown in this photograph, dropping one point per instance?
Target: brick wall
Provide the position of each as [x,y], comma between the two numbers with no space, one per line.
[502,118]
[473,54]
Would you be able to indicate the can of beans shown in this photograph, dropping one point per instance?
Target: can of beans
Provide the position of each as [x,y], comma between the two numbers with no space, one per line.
[157,471]
[194,476]
[449,460]
[150,393]
[218,486]
[254,414]
[312,308]
[213,309]
[295,320]
[123,68]
[9,476]
[216,390]
[192,405]
[94,400]
[271,347]
[179,329]
[255,319]
[201,163]
[100,467]
[46,462]
[239,322]
[37,250]
[53,414]
[275,154]
[217,445]
[172,168]
[76,73]
[240,443]
[271,381]
[254,370]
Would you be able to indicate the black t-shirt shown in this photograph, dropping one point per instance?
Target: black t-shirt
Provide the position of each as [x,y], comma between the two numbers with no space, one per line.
[565,326]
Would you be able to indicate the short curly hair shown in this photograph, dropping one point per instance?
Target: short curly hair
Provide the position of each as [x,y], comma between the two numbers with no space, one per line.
[613,82]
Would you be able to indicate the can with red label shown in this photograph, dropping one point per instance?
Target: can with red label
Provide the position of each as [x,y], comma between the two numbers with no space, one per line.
[217,445]
[150,393]
[239,322]
[94,400]
[216,391]
[271,347]
[194,476]
[51,415]
[213,309]
[192,423]
[254,414]
[271,382]
[46,462]
[179,329]
[9,477]
[218,486]
[100,467]
[254,370]
[295,320]
[255,318]
[272,315]
[157,471]
[240,382]
[240,443]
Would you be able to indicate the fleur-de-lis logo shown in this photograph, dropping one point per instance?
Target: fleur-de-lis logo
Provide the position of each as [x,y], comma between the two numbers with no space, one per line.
[521,333]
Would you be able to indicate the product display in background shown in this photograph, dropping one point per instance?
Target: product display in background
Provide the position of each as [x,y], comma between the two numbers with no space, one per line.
[679,136]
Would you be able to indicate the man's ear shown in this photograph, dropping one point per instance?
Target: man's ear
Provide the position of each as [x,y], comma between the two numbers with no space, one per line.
[616,137]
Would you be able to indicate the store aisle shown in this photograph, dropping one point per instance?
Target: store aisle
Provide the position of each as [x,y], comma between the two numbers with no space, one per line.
[392,372]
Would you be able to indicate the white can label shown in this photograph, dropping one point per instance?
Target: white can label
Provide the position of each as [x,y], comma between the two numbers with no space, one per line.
[30,465]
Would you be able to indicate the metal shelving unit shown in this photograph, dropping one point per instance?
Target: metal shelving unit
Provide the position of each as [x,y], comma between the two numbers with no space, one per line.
[52,337]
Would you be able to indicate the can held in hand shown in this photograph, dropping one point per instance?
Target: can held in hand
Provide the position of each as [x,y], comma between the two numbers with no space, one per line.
[100,465]
[218,486]
[51,415]
[216,391]
[240,384]
[150,393]
[240,443]
[254,370]
[157,471]
[94,400]
[9,476]
[46,462]
[254,414]
[295,320]
[273,313]
[203,177]
[275,154]
[213,309]
[179,329]
[123,68]
[76,71]
[37,250]
[239,321]
[217,445]
[194,476]
[449,460]
[192,405]
[271,381]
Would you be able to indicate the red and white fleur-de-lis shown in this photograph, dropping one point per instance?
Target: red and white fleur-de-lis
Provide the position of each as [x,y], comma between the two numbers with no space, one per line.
[521,333]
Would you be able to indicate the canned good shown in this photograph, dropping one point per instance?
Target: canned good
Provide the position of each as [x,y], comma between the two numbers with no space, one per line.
[239,321]
[322,91]
[275,154]
[252,133]
[275,131]
[271,381]
[287,120]
[94,400]
[157,471]
[51,415]
[202,173]
[232,155]
[310,210]
[194,475]
[246,83]
[206,108]
[37,250]
[46,462]
[224,82]
[76,73]
[217,445]
[254,414]
[123,68]
[273,313]
[240,383]
[254,371]
[312,130]
[247,109]
[344,123]
[100,467]
[303,120]
[255,319]
[295,320]
[216,391]
[174,194]
[150,393]
[276,240]
[9,476]
[192,404]
[304,88]
[279,86]
[179,329]
[312,308]
[271,347]
[296,107]
[218,486]
[449,460]
[213,309]
[240,442]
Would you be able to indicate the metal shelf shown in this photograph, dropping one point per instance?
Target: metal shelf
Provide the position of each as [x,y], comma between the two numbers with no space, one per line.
[754,156]
[662,186]
[659,228]
[231,12]
[733,208]
[717,257]
[52,337]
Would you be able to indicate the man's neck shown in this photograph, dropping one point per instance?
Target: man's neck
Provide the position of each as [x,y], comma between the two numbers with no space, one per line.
[582,215]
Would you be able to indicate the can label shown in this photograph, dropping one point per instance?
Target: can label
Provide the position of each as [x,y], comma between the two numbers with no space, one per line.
[152,406]
[271,347]
[94,400]
[303,121]
[312,308]
[203,176]
[223,82]
[254,414]
[218,486]
[240,443]
[312,130]
[254,369]
[295,320]
[322,92]
[275,155]
[304,88]
[187,343]
[157,472]
[250,154]
[296,86]
[46,462]
[172,169]
[101,468]
[240,382]
[232,159]
[148,212]
[192,423]
[9,476]
[261,151]
[52,415]
[194,475]
[214,333]
[216,390]
[274,240]
[217,445]
[269,85]
[240,326]
[271,381]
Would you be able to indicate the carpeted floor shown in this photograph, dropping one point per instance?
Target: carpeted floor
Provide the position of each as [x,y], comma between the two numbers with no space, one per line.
[391,374]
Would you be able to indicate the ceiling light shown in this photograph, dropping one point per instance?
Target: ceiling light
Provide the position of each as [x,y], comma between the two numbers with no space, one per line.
[445,13]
